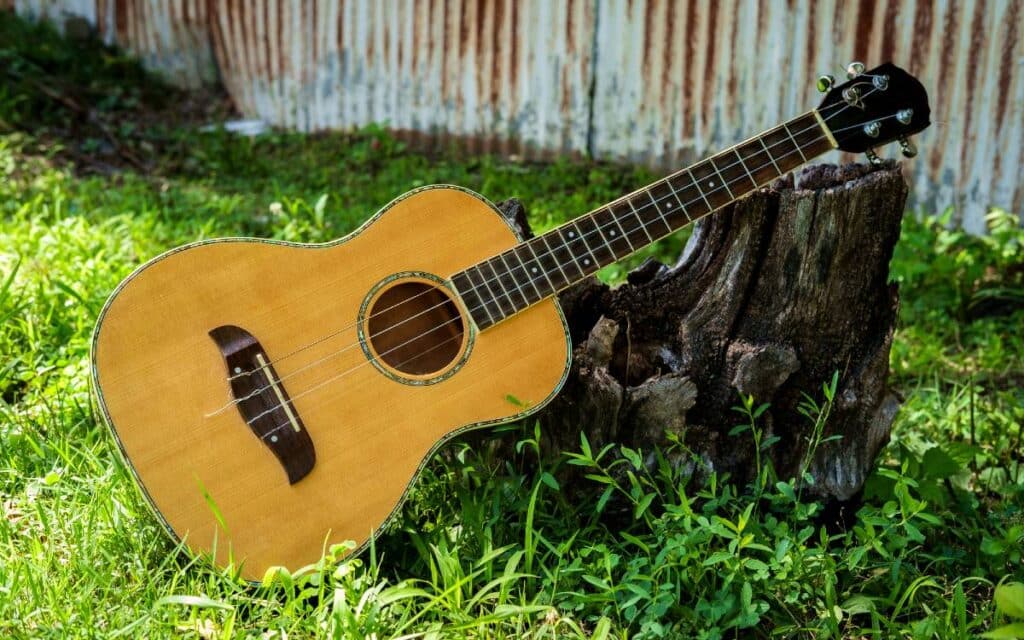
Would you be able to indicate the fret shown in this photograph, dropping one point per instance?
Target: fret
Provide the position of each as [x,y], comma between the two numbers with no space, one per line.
[746,170]
[537,267]
[472,299]
[692,195]
[760,166]
[721,179]
[588,263]
[682,205]
[769,154]
[708,181]
[533,270]
[629,225]
[562,256]
[489,305]
[658,222]
[518,275]
[513,280]
[565,237]
[611,232]
[785,126]
[783,149]
[810,136]
[619,224]
[672,208]
[493,283]
[598,246]
[550,263]
[507,283]
[640,221]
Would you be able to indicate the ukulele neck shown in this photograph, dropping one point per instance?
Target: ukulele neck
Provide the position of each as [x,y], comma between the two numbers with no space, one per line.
[513,280]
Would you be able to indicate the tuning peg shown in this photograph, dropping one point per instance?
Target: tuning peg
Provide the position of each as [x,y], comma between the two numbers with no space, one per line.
[904,115]
[854,69]
[825,83]
[873,157]
[908,148]
[872,129]
[852,97]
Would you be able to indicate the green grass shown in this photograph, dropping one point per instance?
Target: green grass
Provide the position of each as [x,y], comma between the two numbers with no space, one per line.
[486,547]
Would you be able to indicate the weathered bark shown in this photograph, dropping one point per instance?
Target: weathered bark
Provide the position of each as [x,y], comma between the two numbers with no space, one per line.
[769,297]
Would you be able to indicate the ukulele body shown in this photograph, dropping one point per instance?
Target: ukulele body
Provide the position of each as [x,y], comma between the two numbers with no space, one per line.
[273,399]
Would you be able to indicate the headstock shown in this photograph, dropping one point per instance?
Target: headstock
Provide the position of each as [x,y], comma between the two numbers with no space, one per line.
[873,108]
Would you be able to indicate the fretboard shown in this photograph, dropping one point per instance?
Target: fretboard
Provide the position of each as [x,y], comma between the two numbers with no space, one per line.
[511,281]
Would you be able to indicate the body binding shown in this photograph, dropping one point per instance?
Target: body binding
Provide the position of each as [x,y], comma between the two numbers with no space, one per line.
[162,383]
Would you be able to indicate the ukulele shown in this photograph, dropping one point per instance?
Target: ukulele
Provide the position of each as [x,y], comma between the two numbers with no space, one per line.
[273,399]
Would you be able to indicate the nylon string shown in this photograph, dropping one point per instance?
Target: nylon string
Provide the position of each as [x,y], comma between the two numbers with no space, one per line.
[544,253]
[643,225]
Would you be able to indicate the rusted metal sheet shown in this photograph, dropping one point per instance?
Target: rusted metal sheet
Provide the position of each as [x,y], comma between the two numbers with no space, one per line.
[677,80]
[513,73]
[172,36]
[654,81]
[169,36]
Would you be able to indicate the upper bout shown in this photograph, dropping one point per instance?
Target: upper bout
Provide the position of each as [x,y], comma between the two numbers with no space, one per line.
[442,230]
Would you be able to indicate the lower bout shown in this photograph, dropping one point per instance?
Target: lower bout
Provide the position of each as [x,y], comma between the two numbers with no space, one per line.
[371,446]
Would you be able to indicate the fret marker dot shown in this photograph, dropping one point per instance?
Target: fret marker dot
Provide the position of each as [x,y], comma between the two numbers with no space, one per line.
[273,438]
[612,232]
[669,205]
[572,234]
[534,269]
[711,183]
[238,369]
[586,261]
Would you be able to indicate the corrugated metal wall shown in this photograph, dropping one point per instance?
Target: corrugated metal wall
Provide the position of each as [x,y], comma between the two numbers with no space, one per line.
[170,36]
[490,71]
[675,80]
[651,81]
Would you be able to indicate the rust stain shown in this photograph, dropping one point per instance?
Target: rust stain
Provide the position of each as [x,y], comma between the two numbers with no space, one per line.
[733,77]
[710,50]
[499,49]
[974,50]
[1013,23]
[513,57]
[923,29]
[691,63]
[121,20]
[892,12]
[865,24]
[648,29]
[670,29]
[811,43]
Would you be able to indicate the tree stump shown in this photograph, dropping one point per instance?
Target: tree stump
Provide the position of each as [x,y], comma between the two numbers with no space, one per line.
[769,298]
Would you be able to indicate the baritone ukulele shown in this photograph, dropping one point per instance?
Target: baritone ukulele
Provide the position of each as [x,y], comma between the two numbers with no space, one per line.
[274,398]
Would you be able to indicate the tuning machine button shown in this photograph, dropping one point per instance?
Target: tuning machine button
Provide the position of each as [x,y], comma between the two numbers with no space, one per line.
[908,148]
[881,82]
[825,82]
[872,129]
[852,97]
[854,69]
[904,115]
[873,157]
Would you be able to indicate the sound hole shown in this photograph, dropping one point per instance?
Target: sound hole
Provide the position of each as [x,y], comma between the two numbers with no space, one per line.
[416,328]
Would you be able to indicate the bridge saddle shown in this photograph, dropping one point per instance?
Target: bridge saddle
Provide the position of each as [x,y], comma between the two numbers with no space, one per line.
[262,401]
